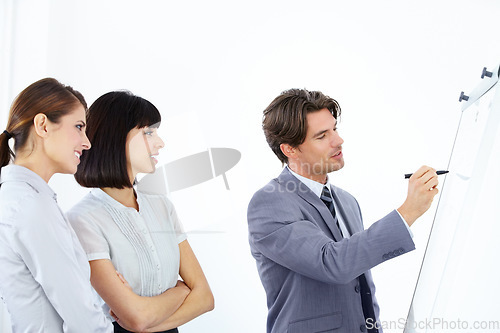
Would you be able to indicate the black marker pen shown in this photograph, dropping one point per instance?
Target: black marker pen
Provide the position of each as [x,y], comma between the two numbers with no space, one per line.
[440,172]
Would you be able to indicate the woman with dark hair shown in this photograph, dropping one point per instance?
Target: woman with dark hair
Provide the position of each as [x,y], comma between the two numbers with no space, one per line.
[135,233]
[44,275]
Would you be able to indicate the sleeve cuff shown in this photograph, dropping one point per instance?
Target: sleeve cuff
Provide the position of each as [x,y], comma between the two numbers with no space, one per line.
[181,238]
[406,224]
[98,256]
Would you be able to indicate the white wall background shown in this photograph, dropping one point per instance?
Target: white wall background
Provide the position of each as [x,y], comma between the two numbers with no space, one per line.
[211,67]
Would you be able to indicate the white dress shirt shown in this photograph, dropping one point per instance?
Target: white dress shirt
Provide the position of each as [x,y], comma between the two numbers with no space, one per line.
[44,275]
[142,245]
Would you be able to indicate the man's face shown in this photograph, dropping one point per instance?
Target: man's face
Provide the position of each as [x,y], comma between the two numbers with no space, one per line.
[321,151]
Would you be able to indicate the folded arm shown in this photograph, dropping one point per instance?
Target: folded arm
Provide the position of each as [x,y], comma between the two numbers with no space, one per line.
[199,300]
[134,312]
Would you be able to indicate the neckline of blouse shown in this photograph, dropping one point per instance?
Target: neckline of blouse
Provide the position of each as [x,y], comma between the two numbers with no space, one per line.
[100,194]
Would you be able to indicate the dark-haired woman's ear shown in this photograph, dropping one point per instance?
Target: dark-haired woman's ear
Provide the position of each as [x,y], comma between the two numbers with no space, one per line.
[40,123]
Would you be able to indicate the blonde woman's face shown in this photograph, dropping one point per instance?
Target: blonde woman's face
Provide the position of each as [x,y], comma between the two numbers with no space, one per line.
[67,141]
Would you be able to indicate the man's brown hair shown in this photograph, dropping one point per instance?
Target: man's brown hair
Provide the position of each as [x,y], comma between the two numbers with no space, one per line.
[285,119]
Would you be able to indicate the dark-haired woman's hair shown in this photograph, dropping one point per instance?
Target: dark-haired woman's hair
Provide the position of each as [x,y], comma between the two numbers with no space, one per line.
[109,120]
[285,119]
[47,96]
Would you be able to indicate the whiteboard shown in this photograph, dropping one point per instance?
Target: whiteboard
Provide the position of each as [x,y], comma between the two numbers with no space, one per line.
[457,286]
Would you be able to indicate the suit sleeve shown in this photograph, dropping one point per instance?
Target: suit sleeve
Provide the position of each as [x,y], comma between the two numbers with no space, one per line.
[279,231]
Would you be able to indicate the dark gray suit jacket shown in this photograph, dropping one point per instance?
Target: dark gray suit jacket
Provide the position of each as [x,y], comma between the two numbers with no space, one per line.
[308,272]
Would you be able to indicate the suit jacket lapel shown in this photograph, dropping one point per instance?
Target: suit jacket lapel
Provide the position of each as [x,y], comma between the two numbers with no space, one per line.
[286,178]
[346,216]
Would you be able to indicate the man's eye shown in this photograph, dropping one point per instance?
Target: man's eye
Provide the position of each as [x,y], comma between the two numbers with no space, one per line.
[148,133]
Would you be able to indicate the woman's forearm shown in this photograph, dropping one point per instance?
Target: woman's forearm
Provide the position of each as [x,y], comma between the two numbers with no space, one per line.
[152,311]
[134,312]
[165,305]
[199,301]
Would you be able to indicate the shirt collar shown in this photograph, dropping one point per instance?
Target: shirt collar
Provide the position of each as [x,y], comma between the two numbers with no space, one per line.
[17,173]
[314,186]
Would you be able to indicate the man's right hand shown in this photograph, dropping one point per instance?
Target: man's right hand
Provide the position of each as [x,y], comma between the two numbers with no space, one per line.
[421,192]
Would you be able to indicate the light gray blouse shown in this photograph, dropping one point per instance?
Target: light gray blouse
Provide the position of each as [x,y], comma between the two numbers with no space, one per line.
[44,273]
[142,245]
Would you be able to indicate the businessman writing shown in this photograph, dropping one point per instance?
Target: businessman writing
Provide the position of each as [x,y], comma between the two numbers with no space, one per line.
[307,236]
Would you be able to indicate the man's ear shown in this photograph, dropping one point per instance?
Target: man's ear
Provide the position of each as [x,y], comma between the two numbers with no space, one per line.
[288,151]
[40,123]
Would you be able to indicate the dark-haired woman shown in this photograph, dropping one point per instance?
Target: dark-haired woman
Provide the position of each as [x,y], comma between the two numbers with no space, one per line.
[135,233]
[44,275]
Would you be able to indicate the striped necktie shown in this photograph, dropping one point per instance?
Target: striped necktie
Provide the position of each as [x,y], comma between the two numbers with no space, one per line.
[364,289]
[326,197]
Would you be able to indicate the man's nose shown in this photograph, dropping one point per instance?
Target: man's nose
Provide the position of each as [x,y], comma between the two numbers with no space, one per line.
[337,140]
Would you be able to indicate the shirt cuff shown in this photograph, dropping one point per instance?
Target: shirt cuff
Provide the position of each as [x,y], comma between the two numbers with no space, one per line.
[98,256]
[181,238]
[406,224]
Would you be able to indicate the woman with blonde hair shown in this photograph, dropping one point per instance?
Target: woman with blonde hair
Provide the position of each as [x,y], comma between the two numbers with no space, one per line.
[44,275]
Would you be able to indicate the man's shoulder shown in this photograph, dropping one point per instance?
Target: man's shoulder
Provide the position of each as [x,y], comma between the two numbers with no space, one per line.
[280,196]
[273,205]
[276,189]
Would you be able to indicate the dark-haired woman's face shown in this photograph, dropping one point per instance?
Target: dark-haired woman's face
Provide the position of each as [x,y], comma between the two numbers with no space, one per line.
[142,147]
[67,141]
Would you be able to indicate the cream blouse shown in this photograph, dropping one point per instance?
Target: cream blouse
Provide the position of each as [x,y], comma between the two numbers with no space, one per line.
[142,245]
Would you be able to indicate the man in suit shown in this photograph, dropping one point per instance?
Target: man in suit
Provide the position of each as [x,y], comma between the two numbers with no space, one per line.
[313,254]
